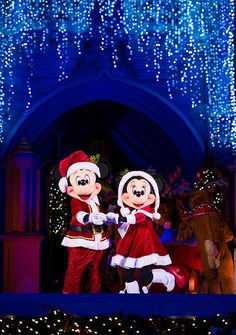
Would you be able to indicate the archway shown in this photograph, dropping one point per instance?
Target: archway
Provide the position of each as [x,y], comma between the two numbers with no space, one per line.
[167,118]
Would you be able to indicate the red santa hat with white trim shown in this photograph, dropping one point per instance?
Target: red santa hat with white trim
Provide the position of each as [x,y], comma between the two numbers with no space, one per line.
[78,160]
[151,180]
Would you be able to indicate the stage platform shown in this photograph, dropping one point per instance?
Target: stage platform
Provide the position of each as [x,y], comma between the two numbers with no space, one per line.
[179,305]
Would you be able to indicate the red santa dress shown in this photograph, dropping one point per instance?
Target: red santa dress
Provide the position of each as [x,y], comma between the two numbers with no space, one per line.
[140,246]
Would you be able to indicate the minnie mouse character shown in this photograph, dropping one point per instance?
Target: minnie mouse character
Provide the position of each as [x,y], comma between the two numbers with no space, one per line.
[86,237]
[139,246]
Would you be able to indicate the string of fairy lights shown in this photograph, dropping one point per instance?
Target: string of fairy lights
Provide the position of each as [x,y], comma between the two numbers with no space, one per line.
[190,43]
[57,322]
[58,209]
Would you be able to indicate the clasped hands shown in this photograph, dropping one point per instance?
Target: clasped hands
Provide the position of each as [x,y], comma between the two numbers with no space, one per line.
[101,218]
[115,218]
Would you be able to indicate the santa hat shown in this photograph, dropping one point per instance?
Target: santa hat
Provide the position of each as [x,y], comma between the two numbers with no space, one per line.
[76,161]
[151,180]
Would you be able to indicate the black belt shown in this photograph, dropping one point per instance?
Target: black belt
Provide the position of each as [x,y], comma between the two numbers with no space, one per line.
[88,229]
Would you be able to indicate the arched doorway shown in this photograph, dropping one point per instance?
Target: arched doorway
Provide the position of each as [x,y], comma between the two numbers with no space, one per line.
[170,123]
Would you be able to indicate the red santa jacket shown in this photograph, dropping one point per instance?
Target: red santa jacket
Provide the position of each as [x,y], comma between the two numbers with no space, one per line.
[82,234]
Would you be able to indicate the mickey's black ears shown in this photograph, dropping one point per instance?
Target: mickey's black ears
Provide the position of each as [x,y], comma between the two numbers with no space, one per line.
[105,169]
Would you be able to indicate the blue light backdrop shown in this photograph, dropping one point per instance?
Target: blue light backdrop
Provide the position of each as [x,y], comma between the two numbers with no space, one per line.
[194,40]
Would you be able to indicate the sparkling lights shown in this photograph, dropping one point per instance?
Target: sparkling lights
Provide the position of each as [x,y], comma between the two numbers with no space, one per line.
[58,209]
[58,323]
[187,43]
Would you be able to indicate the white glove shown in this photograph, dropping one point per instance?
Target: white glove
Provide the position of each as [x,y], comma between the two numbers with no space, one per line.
[112,218]
[97,218]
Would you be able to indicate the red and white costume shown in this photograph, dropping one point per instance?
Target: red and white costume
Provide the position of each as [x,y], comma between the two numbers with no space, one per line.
[86,237]
[140,245]
[82,238]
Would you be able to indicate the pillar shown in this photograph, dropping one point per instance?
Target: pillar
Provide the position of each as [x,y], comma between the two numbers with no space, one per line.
[21,239]
[22,190]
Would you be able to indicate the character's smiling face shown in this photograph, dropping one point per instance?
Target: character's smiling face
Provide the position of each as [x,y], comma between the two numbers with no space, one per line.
[138,193]
[83,185]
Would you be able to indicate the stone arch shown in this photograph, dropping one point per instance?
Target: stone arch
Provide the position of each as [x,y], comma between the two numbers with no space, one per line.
[156,107]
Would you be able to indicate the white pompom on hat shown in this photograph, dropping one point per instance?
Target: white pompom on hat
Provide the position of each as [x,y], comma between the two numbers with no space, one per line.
[124,210]
[76,161]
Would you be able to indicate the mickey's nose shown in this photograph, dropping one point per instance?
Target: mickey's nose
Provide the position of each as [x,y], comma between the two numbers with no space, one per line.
[138,194]
[83,182]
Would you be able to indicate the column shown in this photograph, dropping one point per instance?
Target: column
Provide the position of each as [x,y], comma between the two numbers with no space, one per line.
[21,239]
[22,190]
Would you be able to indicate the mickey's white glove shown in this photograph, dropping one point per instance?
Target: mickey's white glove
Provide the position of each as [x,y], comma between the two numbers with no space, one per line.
[97,218]
[112,218]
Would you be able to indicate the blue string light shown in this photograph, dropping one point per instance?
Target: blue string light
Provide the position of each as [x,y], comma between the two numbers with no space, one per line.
[191,40]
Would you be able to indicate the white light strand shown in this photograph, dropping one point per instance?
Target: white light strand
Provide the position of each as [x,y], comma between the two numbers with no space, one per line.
[187,43]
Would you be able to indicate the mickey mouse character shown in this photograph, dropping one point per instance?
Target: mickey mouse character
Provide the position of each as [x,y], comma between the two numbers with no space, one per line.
[86,237]
[139,246]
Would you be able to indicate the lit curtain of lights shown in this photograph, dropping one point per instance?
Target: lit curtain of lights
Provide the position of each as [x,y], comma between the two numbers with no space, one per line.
[58,217]
[188,42]
[57,322]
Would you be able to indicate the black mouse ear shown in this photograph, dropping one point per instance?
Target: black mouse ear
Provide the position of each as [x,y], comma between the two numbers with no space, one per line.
[55,173]
[117,180]
[161,182]
[118,177]
[105,169]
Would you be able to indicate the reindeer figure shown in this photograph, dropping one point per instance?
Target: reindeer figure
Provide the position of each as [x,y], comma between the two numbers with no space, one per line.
[203,220]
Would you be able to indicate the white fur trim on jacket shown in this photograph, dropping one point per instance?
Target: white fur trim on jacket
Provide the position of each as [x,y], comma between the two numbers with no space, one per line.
[153,216]
[80,217]
[131,219]
[93,245]
[93,202]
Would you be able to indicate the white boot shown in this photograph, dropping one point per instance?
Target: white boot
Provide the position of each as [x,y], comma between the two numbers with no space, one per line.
[131,287]
[163,277]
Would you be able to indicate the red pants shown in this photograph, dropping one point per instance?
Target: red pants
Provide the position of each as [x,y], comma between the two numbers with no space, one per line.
[79,260]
